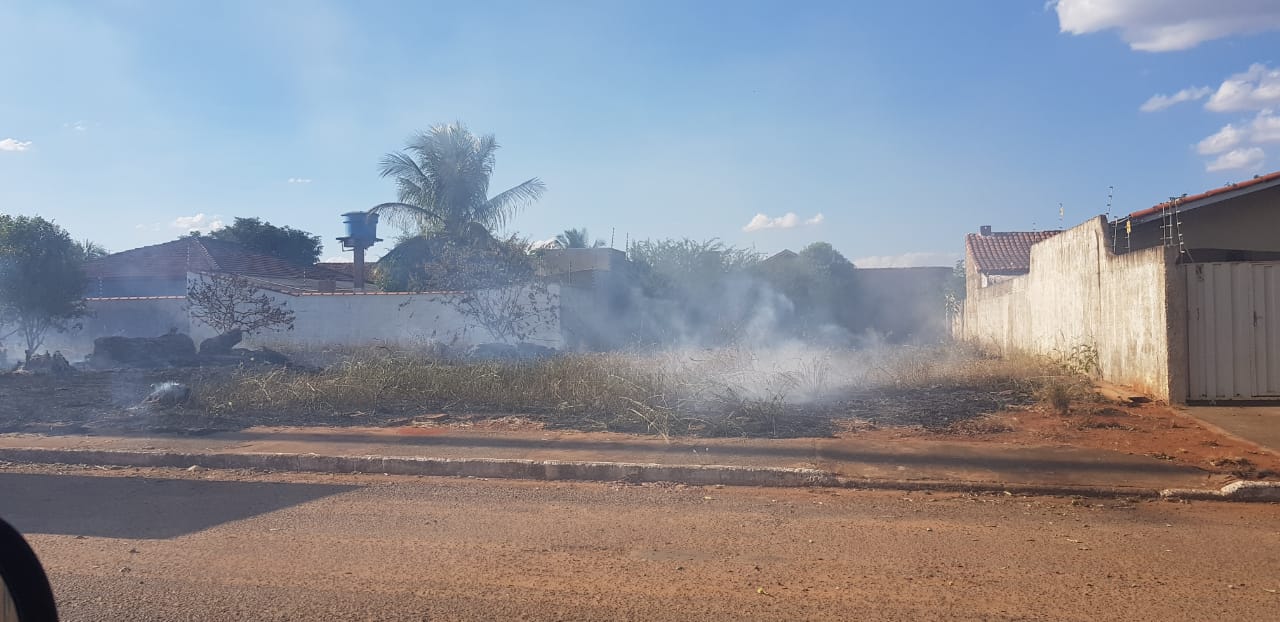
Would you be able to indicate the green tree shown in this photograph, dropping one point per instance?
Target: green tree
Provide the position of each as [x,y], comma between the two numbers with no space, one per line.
[577,238]
[286,243]
[90,250]
[42,280]
[472,260]
[442,182]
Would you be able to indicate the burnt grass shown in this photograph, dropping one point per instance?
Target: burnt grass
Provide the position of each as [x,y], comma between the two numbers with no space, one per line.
[111,401]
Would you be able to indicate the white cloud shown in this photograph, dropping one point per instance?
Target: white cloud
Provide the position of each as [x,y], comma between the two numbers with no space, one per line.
[78,126]
[299,180]
[13,144]
[199,222]
[1255,89]
[1246,158]
[1168,25]
[1160,102]
[908,260]
[1265,128]
[1226,138]
[789,220]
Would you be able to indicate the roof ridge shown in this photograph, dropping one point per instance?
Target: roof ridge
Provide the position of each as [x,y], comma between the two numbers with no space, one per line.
[199,241]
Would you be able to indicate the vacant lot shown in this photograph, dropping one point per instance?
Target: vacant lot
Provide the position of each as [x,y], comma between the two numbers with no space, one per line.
[919,393]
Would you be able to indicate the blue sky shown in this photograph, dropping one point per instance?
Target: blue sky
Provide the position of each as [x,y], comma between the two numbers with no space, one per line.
[904,124]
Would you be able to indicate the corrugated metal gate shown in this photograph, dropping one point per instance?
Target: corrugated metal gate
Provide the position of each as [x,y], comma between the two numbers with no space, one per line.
[1233,332]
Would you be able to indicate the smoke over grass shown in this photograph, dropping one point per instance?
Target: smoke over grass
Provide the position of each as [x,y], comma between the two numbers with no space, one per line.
[785,391]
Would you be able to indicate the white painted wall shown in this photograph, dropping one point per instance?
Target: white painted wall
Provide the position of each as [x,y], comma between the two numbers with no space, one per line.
[137,317]
[390,319]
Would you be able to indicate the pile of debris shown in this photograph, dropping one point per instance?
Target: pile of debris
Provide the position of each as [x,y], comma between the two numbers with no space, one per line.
[178,350]
[51,364]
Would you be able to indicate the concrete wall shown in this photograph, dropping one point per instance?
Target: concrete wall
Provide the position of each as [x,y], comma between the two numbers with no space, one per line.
[320,320]
[125,317]
[1079,293]
[394,319]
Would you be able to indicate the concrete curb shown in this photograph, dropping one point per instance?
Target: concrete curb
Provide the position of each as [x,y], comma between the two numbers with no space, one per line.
[1235,491]
[553,470]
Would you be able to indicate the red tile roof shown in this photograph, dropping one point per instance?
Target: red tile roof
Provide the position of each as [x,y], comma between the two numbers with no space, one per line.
[348,269]
[190,254]
[1260,179]
[1004,251]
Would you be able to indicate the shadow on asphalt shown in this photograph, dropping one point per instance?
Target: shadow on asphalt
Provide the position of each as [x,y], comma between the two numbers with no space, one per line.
[137,507]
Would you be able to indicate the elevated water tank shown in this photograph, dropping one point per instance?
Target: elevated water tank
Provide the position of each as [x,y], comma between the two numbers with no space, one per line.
[362,229]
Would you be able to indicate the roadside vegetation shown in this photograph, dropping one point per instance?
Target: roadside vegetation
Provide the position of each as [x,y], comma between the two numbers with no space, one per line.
[721,392]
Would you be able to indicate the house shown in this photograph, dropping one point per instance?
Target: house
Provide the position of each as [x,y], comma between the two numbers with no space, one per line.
[161,269]
[1180,300]
[994,256]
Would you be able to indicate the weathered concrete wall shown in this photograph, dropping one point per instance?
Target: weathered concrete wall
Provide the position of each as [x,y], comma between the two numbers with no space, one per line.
[320,320]
[1080,294]
[395,319]
[125,317]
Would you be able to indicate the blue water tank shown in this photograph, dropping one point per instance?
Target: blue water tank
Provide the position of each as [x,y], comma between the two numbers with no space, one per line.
[361,227]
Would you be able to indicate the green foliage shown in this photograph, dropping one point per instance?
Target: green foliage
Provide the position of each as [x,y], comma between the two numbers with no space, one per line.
[42,280]
[286,243]
[442,182]
[89,250]
[577,238]
[821,285]
[439,262]
[678,268]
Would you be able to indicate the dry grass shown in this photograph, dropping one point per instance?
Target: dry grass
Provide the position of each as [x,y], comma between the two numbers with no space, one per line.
[712,392]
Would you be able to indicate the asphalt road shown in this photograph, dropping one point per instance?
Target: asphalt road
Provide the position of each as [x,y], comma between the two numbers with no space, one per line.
[176,545]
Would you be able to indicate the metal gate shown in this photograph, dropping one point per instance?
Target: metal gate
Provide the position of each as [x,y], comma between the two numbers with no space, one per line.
[1233,332]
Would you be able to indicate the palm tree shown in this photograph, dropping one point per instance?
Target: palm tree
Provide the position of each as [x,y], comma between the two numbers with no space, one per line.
[442,178]
[577,238]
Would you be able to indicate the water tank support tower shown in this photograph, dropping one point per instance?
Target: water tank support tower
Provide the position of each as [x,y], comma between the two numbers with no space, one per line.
[362,232]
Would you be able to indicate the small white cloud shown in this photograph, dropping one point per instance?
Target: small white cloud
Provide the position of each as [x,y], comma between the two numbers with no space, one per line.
[199,222]
[908,260]
[1265,128]
[13,144]
[1168,25]
[1226,138]
[1160,102]
[789,220]
[78,126]
[299,180]
[1236,159]
[1255,89]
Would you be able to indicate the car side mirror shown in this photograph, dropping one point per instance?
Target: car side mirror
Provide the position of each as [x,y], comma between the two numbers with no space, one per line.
[25,595]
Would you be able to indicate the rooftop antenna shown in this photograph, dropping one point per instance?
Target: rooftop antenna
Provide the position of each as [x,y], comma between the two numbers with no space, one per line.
[1111,191]
[1061,214]
[613,233]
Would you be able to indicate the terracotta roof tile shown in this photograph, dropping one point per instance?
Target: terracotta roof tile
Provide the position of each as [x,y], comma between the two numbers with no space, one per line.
[1209,193]
[1004,251]
[190,254]
[348,269]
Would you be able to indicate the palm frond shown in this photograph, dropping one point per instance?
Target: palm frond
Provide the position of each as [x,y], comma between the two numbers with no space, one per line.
[505,204]
[405,216]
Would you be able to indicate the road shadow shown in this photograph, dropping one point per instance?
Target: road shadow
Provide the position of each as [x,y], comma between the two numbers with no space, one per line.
[139,507]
